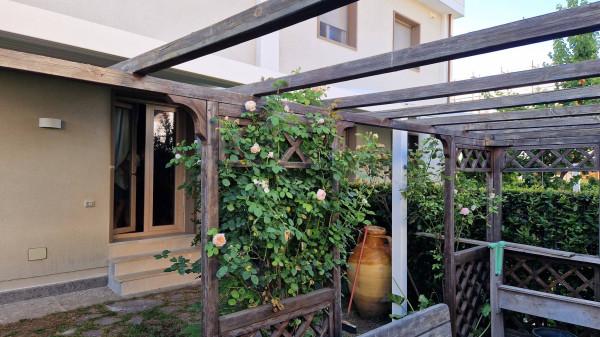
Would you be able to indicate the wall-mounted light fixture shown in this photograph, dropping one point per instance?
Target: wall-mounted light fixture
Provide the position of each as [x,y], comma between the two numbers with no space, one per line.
[50,123]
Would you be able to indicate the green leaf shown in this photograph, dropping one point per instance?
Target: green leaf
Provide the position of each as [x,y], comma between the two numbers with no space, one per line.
[222,271]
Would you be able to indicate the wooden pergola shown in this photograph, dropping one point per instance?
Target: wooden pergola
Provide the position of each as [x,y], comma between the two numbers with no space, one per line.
[541,140]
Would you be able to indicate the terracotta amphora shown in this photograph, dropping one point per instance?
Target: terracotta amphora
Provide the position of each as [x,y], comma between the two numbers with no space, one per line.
[374,284]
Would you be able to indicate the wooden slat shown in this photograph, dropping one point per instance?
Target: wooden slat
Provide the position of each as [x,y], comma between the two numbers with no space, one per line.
[10,59]
[533,114]
[433,321]
[493,103]
[264,313]
[545,27]
[254,22]
[527,249]
[469,254]
[559,308]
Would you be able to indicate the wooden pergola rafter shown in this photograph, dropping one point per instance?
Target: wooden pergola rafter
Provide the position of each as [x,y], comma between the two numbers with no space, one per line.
[536,140]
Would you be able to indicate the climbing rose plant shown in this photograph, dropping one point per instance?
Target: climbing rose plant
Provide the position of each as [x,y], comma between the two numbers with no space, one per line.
[278,225]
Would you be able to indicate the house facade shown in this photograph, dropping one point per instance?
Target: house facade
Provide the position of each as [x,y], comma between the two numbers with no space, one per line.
[85,197]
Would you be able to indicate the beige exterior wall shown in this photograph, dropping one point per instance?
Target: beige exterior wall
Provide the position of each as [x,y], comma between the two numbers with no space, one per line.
[47,174]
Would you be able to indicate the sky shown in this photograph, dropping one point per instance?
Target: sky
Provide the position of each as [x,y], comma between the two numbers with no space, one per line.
[481,14]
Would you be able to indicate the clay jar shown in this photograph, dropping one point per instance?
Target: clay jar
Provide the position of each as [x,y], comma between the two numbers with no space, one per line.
[374,284]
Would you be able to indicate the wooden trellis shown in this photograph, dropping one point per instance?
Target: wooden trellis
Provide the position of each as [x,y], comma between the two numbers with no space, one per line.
[554,139]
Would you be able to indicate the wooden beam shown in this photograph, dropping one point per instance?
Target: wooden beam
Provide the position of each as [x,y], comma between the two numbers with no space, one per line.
[557,132]
[529,123]
[254,22]
[10,59]
[493,103]
[522,133]
[579,140]
[532,114]
[563,23]
[476,85]
[559,308]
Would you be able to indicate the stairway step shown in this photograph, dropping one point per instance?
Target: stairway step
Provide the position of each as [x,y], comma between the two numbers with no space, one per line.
[147,262]
[149,246]
[150,281]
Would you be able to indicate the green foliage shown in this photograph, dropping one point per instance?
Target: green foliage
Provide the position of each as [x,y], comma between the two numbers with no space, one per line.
[281,224]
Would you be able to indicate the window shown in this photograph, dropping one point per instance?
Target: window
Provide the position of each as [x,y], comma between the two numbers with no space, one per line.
[406,32]
[339,25]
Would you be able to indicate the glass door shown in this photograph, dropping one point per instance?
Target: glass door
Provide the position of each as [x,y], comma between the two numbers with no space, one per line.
[163,201]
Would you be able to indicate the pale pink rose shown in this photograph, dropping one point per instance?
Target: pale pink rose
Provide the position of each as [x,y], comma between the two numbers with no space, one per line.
[321,121]
[250,105]
[465,211]
[321,195]
[271,154]
[219,240]
[226,118]
[255,148]
[286,108]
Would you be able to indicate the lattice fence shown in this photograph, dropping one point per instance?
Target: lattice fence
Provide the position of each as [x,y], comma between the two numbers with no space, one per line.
[293,157]
[472,287]
[305,315]
[551,275]
[583,158]
[471,159]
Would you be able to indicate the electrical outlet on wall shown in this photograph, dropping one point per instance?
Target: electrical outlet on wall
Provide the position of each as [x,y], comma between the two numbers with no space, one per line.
[89,203]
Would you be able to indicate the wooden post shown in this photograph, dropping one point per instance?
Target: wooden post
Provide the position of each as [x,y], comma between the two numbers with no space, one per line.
[497,325]
[494,181]
[337,273]
[210,219]
[494,234]
[449,263]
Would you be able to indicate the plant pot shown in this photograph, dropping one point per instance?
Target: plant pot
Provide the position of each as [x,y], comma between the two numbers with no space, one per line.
[549,332]
[374,283]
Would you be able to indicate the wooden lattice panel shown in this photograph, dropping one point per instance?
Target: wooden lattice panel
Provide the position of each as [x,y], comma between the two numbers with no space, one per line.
[551,275]
[473,159]
[557,276]
[472,287]
[583,158]
[292,157]
[305,315]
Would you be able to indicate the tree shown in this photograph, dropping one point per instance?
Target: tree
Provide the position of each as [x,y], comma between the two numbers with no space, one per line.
[575,49]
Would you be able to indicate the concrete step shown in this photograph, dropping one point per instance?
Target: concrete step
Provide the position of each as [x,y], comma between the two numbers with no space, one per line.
[149,246]
[150,281]
[145,262]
